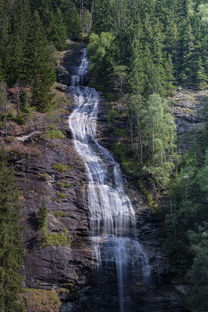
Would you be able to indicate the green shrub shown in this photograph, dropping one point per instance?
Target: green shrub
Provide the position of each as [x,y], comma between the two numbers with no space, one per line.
[60,214]
[64,184]
[42,217]
[9,139]
[60,195]
[20,119]
[55,134]
[43,176]
[61,167]
[56,239]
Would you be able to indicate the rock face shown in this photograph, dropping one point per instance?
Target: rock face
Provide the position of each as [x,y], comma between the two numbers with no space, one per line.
[189,108]
[50,174]
[63,193]
[53,177]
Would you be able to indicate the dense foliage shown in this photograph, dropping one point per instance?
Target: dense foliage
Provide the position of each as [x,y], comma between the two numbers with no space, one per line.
[11,248]
[30,31]
[186,221]
[141,51]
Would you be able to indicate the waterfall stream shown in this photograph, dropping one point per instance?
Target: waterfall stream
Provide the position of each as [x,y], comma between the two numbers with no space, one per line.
[112,217]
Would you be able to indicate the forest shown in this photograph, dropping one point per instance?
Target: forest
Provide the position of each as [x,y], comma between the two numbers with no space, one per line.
[141,53]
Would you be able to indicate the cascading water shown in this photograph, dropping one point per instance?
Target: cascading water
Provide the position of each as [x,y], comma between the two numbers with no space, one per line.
[112,217]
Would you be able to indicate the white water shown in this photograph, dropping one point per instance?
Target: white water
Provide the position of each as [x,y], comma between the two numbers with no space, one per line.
[112,217]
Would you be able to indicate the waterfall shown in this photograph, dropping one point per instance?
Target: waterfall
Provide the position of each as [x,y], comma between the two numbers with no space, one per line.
[112,217]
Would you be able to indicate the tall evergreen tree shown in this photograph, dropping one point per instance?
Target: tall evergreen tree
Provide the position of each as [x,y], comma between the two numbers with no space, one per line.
[57,31]
[39,71]
[11,248]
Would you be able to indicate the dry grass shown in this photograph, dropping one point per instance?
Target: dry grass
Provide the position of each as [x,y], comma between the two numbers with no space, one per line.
[22,150]
[40,300]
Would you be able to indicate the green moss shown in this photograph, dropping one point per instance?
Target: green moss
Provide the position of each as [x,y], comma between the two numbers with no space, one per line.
[69,285]
[55,134]
[60,195]
[43,176]
[61,167]
[36,300]
[56,239]
[64,184]
[60,214]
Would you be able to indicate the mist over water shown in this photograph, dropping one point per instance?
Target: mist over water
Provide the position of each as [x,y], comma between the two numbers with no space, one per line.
[121,259]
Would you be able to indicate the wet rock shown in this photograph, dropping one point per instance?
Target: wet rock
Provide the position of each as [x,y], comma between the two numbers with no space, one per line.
[61,87]
[63,76]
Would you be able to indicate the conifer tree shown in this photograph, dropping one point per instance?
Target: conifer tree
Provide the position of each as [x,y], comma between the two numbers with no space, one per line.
[39,65]
[57,32]
[201,77]
[11,248]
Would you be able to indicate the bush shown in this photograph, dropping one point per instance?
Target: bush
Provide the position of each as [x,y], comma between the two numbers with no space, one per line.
[55,134]
[43,176]
[56,239]
[61,167]
[60,195]
[42,216]
[60,214]
[20,119]
[64,184]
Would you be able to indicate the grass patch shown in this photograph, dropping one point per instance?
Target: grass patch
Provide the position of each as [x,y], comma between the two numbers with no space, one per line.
[55,134]
[59,214]
[61,167]
[40,300]
[64,184]
[60,195]
[56,239]
[43,176]
[9,139]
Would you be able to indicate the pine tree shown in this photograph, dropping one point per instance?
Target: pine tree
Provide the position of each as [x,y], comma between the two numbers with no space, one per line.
[72,20]
[158,138]
[57,32]
[102,17]
[11,248]
[39,65]
[201,77]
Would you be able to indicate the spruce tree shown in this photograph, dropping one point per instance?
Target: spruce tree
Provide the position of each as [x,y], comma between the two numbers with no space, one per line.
[39,64]
[11,247]
[57,32]
[201,76]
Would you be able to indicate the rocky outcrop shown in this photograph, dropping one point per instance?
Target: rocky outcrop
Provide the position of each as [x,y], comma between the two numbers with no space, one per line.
[50,174]
[54,178]
[63,193]
[69,63]
[189,107]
